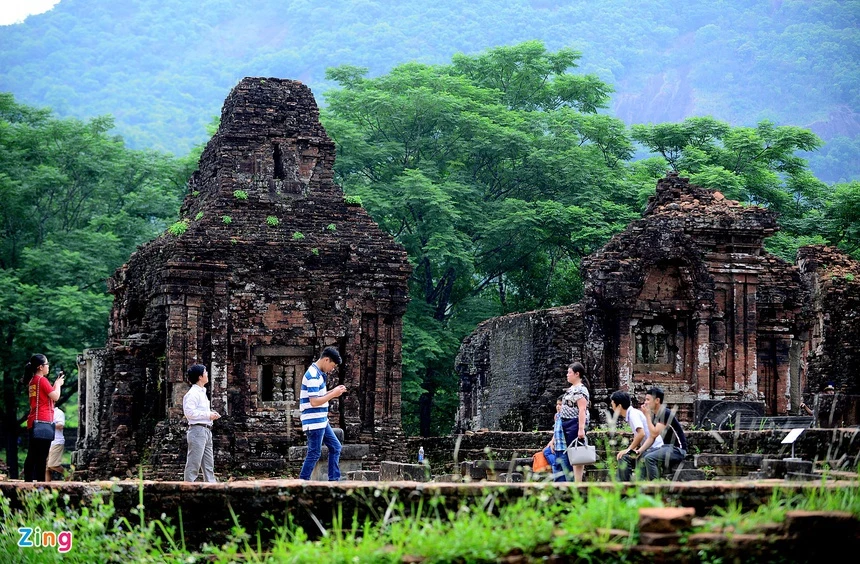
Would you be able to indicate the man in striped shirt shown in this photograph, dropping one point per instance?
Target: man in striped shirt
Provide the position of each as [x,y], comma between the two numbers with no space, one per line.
[314,410]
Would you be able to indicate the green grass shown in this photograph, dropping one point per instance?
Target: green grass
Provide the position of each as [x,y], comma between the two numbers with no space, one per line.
[482,530]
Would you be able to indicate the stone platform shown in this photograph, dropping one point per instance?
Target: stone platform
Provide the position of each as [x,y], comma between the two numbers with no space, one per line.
[206,508]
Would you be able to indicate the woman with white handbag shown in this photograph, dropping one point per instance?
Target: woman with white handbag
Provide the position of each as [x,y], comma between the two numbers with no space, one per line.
[571,425]
[40,421]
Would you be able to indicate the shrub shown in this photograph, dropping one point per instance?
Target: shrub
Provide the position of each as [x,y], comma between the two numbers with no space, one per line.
[178,228]
[240,194]
[195,193]
[227,220]
[315,252]
[198,216]
[298,235]
[331,227]
[353,200]
[272,221]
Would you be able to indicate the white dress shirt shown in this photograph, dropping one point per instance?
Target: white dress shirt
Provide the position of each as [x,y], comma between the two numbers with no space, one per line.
[195,406]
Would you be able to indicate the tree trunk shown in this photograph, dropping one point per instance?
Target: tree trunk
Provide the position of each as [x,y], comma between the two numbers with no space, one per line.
[424,404]
[9,430]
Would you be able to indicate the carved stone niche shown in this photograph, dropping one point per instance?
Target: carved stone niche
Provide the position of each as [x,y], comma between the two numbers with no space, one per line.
[279,371]
[661,325]
[656,347]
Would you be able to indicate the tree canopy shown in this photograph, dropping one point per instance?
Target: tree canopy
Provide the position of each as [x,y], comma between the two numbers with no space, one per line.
[76,202]
[498,175]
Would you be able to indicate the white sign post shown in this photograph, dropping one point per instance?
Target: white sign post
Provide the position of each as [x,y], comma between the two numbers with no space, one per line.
[790,439]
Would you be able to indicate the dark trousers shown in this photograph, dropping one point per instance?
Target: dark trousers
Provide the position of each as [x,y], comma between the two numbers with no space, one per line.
[37,459]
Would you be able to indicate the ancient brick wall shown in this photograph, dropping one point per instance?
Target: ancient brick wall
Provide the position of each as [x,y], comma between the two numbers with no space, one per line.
[833,348]
[685,298]
[513,368]
[273,265]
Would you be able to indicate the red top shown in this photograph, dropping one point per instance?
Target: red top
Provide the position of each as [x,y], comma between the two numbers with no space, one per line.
[46,404]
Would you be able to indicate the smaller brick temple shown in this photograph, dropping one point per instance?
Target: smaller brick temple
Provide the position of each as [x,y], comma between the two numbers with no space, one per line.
[268,265]
[685,298]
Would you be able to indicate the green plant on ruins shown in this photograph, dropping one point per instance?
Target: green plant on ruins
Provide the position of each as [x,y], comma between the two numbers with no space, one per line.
[272,221]
[240,194]
[178,228]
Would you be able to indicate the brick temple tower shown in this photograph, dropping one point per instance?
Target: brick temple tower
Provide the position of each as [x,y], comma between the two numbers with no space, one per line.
[268,265]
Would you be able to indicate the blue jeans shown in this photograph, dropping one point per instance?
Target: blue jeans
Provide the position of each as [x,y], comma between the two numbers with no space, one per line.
[561,467]
[550,456]
[316,438]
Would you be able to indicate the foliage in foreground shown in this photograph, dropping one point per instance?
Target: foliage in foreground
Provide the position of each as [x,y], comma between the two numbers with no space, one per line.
[482,531]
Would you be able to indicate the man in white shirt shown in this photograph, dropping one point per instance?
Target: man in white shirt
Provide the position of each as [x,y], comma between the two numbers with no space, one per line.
[313,405]
[58,446]
[620,403]
[195,405]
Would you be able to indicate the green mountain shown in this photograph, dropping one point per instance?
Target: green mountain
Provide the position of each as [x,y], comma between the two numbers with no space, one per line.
[163,67]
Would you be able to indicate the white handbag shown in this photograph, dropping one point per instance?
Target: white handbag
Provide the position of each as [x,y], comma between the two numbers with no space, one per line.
[580,452]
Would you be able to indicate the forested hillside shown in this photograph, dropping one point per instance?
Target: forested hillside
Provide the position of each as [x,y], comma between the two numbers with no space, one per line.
[163,67]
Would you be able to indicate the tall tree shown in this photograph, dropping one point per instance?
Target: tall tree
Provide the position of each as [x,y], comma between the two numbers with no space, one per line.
[76,202]
[497,176]
[758,165]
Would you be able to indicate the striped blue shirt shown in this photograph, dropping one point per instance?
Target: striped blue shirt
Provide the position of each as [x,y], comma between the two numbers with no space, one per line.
[313,385]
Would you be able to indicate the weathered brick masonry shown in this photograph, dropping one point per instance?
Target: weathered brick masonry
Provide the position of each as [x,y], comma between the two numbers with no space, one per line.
[274,266]
[685,298]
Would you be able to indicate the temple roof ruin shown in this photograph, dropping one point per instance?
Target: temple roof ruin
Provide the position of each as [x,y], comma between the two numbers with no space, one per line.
[685,298]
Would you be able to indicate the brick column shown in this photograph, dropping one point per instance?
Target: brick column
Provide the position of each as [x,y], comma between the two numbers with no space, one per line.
[702,362]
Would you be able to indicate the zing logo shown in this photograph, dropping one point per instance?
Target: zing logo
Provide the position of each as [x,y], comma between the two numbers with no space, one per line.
[36,538]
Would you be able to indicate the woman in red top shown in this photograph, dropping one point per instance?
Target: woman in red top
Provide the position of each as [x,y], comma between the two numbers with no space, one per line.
[37,383]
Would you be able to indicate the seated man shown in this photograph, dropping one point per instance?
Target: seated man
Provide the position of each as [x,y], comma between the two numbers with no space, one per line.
[663,424]
[620,403]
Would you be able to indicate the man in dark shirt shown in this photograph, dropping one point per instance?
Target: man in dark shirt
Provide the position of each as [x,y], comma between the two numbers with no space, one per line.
[661,422]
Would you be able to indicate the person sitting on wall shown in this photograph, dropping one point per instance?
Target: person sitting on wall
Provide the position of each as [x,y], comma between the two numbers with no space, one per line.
[662,424]
[620,403]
